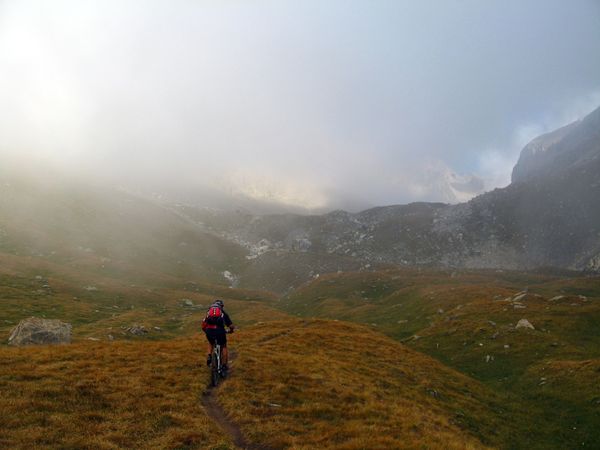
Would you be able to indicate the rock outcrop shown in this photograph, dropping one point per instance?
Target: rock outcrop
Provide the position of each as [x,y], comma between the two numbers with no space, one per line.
[539,153]
[37,331]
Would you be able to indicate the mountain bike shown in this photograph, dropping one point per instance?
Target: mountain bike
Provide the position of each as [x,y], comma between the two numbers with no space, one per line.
[216,368]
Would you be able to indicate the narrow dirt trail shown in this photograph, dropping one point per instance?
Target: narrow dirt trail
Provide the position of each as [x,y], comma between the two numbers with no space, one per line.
[218,415]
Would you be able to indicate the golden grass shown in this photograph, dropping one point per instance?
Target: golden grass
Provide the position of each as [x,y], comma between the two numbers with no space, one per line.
[287,390]
[569,381]
[324,384]
[105,396]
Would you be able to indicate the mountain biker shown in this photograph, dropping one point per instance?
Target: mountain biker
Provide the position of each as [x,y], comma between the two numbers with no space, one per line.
[213,326]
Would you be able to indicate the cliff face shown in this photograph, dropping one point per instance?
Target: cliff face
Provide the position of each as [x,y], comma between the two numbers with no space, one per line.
[569,147]
[548,216]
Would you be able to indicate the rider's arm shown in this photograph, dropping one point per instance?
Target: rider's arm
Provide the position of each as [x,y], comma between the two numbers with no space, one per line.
[227,321]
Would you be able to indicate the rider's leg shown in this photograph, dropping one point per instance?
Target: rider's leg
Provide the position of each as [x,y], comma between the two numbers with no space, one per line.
[210,350]
[225,355]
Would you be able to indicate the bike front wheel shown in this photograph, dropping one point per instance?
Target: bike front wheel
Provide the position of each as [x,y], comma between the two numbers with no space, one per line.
[214,375]
[215,369]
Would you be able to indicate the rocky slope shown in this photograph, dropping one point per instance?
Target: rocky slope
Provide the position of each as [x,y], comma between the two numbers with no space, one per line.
[548,216]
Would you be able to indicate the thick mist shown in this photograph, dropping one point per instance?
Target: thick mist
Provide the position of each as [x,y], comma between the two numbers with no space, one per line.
[310,105]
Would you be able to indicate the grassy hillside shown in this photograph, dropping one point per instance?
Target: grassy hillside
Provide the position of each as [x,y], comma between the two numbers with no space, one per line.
[106,231]
[468,322]
[307,384]
[284,391]
[101,307]
[323,384]
[105,396]
[401,302]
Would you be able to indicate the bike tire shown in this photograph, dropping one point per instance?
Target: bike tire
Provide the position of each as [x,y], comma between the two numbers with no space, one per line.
[214,369]
[214,375]
[215,378]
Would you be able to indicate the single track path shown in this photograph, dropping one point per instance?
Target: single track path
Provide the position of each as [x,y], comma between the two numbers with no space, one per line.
[218,415]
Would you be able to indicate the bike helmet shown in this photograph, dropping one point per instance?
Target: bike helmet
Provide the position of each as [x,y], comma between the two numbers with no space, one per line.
[219,303]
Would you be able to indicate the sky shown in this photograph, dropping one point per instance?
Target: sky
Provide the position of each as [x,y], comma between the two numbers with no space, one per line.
[314,104]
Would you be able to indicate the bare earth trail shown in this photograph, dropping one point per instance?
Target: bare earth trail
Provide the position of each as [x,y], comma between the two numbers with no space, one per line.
[218,415]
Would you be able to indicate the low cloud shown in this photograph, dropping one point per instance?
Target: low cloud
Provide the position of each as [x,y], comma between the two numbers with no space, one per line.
[314,104]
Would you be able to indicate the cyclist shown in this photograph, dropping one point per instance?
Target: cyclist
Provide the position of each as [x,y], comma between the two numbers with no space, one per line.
[213,326]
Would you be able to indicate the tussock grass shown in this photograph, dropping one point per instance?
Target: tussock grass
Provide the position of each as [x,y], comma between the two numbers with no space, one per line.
[358,390]
[105,396]
[467,321]
[324,384]
[569,392]
[288,389]
[98,305]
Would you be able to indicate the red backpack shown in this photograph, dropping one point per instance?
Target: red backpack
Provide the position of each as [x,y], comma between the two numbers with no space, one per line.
[214,315]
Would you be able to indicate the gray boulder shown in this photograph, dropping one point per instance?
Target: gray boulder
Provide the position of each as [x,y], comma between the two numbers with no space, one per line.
[36,331]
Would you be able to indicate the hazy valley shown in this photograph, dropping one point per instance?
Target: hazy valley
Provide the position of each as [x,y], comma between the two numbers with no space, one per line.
[418,326]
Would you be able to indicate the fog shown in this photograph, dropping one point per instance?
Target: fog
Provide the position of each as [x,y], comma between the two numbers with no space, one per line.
[316,105]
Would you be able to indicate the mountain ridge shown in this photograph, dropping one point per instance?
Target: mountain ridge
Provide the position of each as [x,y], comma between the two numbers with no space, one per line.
[547,217]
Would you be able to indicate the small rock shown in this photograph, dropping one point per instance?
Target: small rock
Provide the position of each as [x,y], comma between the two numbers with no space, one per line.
[524,323]
[519,297]
[433,393]
[137,330]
